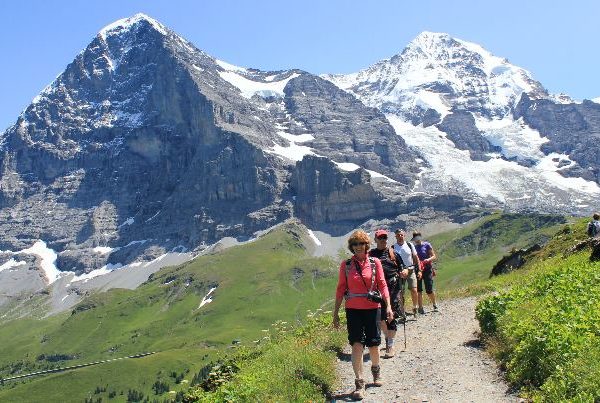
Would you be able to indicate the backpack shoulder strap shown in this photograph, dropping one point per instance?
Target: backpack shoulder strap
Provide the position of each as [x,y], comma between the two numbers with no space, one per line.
[373,272]
[348,265]
[417,264]
[392,254]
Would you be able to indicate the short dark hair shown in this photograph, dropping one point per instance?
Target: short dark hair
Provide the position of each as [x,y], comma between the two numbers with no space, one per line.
[416,234]
[596,216]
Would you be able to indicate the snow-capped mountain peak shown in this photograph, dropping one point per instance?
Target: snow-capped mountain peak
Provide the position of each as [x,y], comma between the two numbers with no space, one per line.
[436,71]
[429,44]
[127,24]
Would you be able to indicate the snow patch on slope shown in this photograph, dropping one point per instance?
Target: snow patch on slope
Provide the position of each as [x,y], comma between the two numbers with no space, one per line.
[95,273]
[48,263]
[230,67]
[249,87]
[293,152]
[515,138]
[10,264]
[207,298]
[350,167]
[314,237]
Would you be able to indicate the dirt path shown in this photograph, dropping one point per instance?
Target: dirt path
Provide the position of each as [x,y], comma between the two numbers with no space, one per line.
[443,362]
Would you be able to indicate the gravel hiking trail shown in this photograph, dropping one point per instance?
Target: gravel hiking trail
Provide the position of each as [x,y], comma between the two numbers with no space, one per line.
[443,362]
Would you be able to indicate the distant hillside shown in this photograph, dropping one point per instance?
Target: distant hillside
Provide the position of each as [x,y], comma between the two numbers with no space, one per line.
[273,278]
[467,255]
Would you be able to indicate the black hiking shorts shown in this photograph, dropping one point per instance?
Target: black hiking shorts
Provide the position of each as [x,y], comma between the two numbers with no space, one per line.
[427,278]
[363,326]
[394,285]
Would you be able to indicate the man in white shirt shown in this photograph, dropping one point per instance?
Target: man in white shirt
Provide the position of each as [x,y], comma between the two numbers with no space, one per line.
[410,259]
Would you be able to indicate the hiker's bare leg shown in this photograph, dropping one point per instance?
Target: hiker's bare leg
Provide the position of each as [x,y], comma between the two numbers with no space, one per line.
[415,297]
[420,300]
[374,353]
[432,297]
[384,329]
[357,360]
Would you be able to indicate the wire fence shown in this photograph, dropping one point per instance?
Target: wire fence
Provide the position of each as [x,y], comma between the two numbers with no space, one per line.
[49,371]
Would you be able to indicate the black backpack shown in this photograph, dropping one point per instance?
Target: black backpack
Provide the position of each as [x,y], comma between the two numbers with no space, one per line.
[593,229]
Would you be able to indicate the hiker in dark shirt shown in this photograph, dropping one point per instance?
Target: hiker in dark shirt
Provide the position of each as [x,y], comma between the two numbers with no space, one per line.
[393,271]
[593,228]
[426,256]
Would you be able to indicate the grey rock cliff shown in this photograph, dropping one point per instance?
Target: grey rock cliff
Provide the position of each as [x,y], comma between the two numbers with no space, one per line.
[461,129]
[572,129]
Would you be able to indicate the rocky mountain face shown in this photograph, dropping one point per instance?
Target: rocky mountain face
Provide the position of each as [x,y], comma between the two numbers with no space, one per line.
[146,146]
[573,130]
[127,145]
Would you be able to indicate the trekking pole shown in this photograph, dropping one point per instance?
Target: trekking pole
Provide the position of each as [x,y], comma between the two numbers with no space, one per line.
[404,325]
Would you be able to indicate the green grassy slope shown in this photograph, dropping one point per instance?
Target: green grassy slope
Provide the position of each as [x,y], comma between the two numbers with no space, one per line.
[543,321]
[467,255]
[257,283]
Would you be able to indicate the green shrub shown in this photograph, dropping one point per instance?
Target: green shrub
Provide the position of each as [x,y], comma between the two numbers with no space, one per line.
[547,329]
[289,364]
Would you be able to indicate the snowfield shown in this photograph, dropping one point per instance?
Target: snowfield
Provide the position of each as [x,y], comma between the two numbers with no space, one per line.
[497,179]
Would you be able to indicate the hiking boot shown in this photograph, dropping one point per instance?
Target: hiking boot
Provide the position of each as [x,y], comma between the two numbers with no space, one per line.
[376,371]
[415,312]
[359,391]
[435,308]
[421,311]
[390,352]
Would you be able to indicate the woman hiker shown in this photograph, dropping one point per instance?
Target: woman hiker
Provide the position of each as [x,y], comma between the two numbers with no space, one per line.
[359,279]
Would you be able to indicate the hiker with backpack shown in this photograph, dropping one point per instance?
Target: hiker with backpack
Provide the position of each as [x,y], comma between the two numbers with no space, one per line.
[393,269]
[410,260]
[427,256]
[593,228]
[362,284]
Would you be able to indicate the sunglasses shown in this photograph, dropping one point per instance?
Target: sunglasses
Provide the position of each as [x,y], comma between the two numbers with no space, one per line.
[353,244]
[382,237]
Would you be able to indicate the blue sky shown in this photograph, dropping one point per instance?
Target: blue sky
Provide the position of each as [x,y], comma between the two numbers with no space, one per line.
[557,41]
